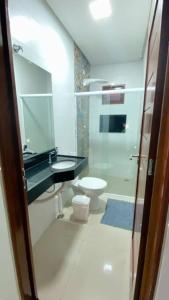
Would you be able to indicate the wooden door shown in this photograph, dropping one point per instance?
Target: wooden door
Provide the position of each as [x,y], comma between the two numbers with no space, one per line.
[160,203]
[12,165]
[147,154]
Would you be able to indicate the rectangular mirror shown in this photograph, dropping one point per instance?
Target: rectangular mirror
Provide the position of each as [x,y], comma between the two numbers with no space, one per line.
[35,105]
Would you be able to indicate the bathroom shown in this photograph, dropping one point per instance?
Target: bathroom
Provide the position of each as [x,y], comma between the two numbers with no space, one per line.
[68,74]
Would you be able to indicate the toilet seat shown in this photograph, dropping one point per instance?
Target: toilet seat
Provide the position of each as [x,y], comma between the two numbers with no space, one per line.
[91,187]
[92,183]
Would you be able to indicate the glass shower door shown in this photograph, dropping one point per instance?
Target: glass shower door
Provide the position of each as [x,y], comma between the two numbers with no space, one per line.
[114,136]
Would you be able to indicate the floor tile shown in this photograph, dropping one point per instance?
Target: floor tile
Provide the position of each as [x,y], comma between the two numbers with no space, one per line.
[78,261]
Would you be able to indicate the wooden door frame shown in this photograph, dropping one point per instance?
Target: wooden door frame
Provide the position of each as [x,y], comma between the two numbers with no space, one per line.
[159,203]
[12,164]
[143,282]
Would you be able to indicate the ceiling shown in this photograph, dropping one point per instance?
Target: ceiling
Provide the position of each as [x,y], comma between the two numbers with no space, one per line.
[119,38]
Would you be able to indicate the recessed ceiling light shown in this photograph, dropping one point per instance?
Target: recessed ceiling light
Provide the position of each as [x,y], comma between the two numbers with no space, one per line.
[100,9]
[107,268]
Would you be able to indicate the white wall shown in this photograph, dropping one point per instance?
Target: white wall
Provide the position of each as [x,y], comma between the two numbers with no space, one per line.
[8,280]
[130,73]
[153,4]
[47,44]
[41,214]
[111,151]
[30,78]
[162,288]
[45,210]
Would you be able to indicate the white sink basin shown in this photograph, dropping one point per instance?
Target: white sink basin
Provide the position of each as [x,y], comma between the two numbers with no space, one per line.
[66,164]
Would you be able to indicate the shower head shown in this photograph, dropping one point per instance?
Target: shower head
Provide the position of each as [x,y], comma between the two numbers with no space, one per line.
[89,81]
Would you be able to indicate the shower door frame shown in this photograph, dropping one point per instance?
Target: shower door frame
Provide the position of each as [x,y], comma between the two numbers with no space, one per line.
[12,172]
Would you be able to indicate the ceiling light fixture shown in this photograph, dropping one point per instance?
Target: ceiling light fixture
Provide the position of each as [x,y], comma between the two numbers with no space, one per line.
[100,9]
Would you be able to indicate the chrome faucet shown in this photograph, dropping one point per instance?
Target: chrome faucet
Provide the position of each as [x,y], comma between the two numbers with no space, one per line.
[53,153]
[50,158]
[26,150]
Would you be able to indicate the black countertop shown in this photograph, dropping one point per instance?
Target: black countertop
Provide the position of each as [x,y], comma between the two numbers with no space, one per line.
[41,176]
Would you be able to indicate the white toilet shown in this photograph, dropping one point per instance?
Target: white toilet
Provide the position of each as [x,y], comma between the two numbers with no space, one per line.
[91,187]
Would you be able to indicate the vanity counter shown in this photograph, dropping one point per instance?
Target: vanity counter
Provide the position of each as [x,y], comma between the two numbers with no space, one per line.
[42,176]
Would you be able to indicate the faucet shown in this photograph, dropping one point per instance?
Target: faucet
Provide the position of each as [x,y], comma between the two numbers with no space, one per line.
[53,153]
[26,150]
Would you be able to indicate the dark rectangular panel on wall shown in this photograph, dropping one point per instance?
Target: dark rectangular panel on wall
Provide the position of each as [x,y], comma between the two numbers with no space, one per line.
[113,123]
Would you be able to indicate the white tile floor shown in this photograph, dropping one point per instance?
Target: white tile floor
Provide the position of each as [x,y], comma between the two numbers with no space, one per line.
[75,261]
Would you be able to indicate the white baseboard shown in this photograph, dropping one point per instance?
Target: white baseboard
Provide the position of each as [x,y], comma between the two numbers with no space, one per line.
[119,197]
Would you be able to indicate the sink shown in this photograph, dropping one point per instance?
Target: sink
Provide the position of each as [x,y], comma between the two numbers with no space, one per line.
[66,164]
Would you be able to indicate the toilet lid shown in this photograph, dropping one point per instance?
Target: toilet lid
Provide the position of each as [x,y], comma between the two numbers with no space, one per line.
[92,183]
[81,199]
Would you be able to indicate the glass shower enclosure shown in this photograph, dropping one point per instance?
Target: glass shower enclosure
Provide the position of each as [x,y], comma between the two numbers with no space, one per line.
[112,132]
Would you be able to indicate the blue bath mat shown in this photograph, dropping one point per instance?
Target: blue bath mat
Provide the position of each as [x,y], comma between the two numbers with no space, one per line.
[119,214]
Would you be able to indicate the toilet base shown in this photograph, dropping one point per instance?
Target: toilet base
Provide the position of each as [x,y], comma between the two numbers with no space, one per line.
[91,187]
[94,203]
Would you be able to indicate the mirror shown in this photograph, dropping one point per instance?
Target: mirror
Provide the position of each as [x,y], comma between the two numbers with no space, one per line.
[35,105]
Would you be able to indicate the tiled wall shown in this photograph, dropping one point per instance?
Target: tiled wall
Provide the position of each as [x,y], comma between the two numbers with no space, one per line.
[82,71]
